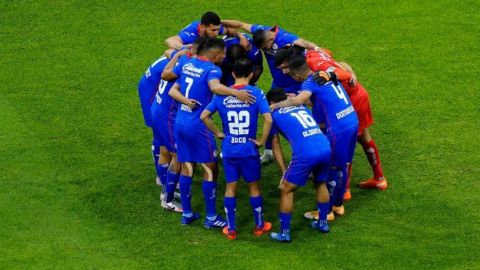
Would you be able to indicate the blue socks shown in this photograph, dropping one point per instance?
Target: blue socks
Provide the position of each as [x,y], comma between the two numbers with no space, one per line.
[257,207]
[171,184]
[186,194]
[156,155]
[230,204]
[323,210]
[210,195]
[285,222]
[341,177]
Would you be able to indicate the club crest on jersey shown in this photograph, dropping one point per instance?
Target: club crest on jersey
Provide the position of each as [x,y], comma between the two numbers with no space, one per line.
[233,102]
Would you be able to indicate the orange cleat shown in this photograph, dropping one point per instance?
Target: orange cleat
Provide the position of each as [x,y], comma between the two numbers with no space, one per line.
[347,196]
[267,226]
[231,235]
[338,210]
[374,184]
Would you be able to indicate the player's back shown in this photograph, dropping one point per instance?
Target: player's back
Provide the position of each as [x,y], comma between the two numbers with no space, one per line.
[302,132]
[239,121]
[194,77]
[164,105]
[332,105]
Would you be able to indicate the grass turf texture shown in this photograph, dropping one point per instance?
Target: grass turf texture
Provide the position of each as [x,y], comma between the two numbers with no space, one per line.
[77,180]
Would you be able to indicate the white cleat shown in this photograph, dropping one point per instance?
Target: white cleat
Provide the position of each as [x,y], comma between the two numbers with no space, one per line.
[172,206]
[267,157]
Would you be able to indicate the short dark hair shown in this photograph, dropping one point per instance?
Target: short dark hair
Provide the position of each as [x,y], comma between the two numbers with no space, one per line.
[235,52]
[283,54]
[197,43]
[297,64]
[276,95]
[210,44]
[210,18]
[259,38]
[242,68]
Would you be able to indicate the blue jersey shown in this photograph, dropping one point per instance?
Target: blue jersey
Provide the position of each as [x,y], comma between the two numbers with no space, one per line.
[149,83]
[165,106]
[194,77]
[253,55]
[191,32]
[282,39]
[300,129]
[239,121]
[332,106]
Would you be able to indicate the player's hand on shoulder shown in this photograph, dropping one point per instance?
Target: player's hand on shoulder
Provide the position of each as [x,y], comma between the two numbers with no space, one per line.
[321,77]
[245,96]
[183,52]
[245,44]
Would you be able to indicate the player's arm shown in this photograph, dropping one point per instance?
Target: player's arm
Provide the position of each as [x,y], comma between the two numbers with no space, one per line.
[243,41]
[238,25]
[207,120]
[174,42]
[267,126]
[223,90]
[306,44]
[351,77]
[257,72]
[278,153]
[168,74]
[175,93]
[299,99]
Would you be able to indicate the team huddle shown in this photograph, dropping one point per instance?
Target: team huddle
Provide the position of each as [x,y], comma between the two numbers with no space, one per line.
[201,75]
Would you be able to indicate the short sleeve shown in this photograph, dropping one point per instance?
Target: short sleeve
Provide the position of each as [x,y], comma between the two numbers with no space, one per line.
[177,69]
[262,103]
[189,33]
[256,27]
[214,74]
[213,105]
[307,86]
[255,56]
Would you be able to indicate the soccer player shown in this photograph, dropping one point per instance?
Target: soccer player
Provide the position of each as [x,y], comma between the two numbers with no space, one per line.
[239,147]
[334,111]
[235,52]
[270,39]
[210,25]
[163,112]
[199,79]
[322,60]
[310,154]
[147,90]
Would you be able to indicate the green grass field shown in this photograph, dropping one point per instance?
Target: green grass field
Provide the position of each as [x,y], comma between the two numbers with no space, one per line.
[78,188]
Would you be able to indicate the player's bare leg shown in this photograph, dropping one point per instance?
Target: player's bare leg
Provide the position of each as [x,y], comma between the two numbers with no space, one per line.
[371,151]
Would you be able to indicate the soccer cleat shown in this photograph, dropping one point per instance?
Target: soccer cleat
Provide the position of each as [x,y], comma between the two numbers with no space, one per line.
[267,157]
[267,226]
[231,234]
[172,206]
[313,215]
[219,222]
[321,226]
[188,220]
[347,196]
[280,237]
[373,183]
[338,210]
